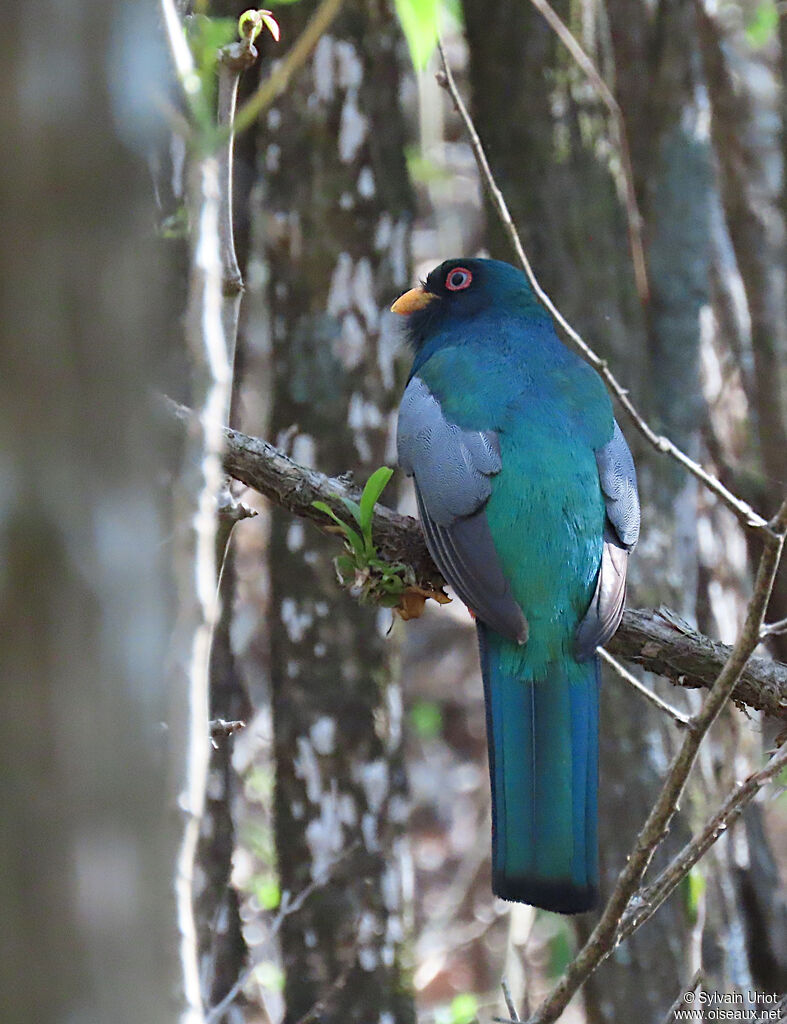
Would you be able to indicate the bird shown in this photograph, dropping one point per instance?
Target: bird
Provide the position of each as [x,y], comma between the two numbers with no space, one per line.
[527,495]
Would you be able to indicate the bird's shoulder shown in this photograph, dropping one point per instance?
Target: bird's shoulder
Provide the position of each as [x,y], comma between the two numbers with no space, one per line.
[519,389]
[465,385]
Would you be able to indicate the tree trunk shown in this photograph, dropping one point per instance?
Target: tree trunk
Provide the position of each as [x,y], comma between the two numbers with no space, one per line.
[87,854]
[338,209]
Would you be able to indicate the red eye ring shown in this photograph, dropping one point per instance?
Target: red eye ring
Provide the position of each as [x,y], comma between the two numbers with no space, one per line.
[465,279]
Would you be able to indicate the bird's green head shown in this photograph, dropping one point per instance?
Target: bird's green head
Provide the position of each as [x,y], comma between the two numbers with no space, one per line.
[459,290]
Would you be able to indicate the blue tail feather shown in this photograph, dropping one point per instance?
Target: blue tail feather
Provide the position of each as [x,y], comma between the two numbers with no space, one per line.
[543,761]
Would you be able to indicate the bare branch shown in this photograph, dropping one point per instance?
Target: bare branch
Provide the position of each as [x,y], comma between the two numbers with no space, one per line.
[774,629]
[603,938]
[677,716]
[680,999]
[260,465]
[509,1001]
[233,60]
[742,509]
[656,641]
[648,899]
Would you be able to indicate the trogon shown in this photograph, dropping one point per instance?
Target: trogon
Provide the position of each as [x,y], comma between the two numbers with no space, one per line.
[527,495]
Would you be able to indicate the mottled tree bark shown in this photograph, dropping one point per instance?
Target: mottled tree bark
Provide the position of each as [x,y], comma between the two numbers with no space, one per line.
[756,227]
[87,851]
[338,210]
[746,148]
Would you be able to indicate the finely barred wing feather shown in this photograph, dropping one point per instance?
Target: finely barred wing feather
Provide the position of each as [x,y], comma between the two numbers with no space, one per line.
[452,468]
[618,480]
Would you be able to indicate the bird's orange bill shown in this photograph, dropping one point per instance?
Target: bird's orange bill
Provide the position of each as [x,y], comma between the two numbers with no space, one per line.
[416,298]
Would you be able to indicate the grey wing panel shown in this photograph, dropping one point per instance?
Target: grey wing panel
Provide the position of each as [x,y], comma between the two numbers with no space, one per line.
[452,465]
[606,607]
[465,554]
[452,469]
[618,479]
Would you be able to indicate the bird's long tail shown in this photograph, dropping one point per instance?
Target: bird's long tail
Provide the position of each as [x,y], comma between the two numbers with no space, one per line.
[543,762]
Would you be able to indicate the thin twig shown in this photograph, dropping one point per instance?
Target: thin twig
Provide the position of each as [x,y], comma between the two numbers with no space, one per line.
[318,1009]
[509,1000]
[233,60]
[647,900]
[680,999]
[677,716]
[222,727]
[774,628]
[742,509]
[604,936]
[277,81]
[633,216]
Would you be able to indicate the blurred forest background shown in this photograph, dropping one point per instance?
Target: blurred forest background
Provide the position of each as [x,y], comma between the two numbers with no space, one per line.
[340,868]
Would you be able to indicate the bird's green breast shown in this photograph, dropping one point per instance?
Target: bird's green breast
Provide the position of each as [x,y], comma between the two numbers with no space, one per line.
[546,511]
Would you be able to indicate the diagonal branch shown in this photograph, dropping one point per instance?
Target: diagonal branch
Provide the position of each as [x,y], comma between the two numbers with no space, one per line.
[649,898]
[677,716]
[745,513]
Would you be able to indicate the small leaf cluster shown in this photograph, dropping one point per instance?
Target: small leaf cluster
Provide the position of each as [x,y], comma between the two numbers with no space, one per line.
[208,38]
[370,578]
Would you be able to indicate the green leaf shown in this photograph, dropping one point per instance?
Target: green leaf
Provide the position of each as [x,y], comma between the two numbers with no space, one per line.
[464,1008]
[268,893]
[251,23]
[206,36]
[763,24]
[375,486]
[693,888]
[392,584]
[560,952]
[352,536]
[270,976]
[420,23]
[427,719]
[353,508]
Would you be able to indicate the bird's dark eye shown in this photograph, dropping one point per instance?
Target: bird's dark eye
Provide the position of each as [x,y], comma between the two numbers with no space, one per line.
[458,279]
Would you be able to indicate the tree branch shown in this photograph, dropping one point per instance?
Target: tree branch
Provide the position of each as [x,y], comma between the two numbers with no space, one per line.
[654,639]
[649,898]
[684,721]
